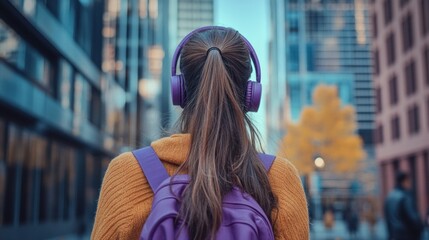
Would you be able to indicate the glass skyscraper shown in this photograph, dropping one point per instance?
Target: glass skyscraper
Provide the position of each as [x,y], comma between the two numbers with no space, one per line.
[192,14]
[328,42]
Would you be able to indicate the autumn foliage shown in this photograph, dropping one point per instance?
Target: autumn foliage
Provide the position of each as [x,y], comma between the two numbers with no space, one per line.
[326,129]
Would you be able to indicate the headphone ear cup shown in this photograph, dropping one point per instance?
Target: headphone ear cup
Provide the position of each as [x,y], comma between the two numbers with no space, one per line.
[178,90]
[253,96]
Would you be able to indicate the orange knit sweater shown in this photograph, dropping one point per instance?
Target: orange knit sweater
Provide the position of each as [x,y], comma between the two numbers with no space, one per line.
[126,197]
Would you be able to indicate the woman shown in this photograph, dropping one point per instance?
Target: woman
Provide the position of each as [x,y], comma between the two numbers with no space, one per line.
[216,147]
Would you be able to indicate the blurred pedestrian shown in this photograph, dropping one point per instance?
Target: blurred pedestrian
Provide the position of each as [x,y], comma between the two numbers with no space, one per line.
[352,220]
[216,148]
[402,219]
[329,218]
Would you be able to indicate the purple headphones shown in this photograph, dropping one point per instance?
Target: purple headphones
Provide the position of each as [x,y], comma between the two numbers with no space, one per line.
[254,89]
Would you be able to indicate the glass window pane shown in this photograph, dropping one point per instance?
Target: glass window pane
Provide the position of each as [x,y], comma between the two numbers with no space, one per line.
[96,107]
[82,95]
[90,192]
[55,172]
[38,67]
[12,48]
[65,84]
[46,189]
[72,180]
[17,145]
[17,52]
[2,139]
[29,178]
[2,170]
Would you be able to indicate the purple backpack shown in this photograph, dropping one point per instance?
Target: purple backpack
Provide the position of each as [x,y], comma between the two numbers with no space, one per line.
[242,218]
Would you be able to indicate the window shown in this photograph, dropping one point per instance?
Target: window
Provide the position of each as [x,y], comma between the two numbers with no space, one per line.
[426,64]
[413,119]
[83,32]
[3,167]
[395,128]
[293,61]
[33,64]
[384,175]
[82,96]
[427,111]
[426,171]
[52,6]
[396,167]
[378,99]
[17,147]
[390,49]
[293,24]
[424,16]
[410,78]
[2,144]
[374,26]
[403,2]
[413,174]
[65,80]
[35,157]
[393,90]
[388,11]
[407,32]
[376,63]
[379,134]
[96,107]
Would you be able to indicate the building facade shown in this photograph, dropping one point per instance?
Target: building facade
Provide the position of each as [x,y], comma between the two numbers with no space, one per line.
[192,14]
[401,81]
[276,106]
[328,42]
[80,82]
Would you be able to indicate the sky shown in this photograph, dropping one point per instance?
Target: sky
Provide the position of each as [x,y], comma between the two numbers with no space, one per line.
[251,19]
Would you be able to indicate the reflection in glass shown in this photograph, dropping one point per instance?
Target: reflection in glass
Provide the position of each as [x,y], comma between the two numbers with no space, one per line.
[96,107]
[18,53]
[82,96]
[65,84]
[17,143]
[2,170]
[11,46]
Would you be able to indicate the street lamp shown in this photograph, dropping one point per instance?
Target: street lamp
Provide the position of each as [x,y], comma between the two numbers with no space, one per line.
[319,162]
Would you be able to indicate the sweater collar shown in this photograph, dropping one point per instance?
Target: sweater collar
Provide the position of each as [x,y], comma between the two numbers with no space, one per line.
[173,149]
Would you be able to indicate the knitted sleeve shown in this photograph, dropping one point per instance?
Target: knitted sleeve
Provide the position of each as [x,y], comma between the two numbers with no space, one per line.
[124,202]
[291,216]
[111,219]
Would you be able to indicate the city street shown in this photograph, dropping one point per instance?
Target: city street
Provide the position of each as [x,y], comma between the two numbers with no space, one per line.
[339,231]
[339,88]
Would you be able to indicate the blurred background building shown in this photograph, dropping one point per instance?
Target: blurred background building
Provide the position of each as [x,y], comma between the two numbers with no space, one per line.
[277,107]
[84,80]
[80,81]
[192,14]
[328,42]
[401,78]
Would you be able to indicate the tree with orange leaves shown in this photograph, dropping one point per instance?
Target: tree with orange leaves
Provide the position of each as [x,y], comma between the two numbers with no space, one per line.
[326,129]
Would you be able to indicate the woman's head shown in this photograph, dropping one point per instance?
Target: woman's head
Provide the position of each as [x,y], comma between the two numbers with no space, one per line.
[227,48]
[216,67]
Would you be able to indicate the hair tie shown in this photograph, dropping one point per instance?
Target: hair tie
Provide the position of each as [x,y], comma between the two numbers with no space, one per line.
[213,48]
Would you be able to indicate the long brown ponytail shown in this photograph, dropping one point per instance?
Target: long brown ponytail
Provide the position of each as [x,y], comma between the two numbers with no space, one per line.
[223,146]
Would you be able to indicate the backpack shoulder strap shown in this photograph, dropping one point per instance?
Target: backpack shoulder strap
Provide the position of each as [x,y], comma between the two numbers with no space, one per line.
[267,160]
[152,166]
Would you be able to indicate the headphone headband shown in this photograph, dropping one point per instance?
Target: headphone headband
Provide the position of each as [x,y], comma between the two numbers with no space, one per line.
[178,91]
[185,40]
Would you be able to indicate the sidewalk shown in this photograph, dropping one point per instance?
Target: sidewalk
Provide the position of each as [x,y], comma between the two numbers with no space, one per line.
[339,231]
